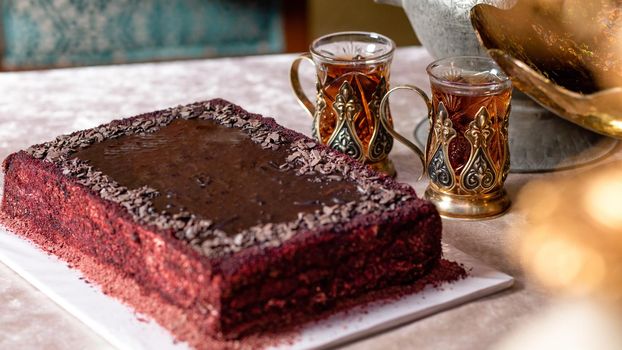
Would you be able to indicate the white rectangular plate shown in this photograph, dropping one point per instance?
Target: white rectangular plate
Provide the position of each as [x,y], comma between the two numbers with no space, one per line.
[125,329]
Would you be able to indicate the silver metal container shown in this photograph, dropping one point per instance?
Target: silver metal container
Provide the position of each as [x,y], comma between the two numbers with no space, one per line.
[443,26]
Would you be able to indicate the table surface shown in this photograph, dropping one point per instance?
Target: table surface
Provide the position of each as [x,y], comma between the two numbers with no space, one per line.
[37,106]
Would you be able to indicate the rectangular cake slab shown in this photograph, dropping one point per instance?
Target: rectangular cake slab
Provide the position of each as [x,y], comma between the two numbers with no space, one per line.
[123,328]
[243,226]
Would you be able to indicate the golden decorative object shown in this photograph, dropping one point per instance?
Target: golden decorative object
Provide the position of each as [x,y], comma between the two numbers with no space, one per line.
[352,71]
[572,241]
[466,155]
[565,54]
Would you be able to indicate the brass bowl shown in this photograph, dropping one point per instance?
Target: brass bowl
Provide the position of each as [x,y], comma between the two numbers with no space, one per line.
[565,54]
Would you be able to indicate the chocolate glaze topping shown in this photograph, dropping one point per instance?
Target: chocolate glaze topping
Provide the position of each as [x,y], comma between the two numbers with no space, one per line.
[304,159]
[214,172]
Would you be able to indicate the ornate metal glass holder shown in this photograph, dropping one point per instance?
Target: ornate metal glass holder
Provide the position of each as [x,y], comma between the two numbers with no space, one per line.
[352,77]
[467,154]
[571,146]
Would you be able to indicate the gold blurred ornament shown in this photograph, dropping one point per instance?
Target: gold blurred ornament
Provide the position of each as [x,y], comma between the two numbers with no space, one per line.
[565,54]
[572,242]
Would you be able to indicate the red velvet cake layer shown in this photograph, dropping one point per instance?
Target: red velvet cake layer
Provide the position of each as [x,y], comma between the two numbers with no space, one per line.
[223,284]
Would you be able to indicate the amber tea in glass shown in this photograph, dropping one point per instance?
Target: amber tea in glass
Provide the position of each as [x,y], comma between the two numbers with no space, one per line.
[467,155]
[463,105]
[367,83]
[352,77]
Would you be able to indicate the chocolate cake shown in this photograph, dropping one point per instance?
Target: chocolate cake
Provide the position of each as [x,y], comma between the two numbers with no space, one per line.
[219,223]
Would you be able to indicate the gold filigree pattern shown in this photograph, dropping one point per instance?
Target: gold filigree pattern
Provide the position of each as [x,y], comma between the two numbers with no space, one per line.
[479,174]
[346,104]
[320,106]
[381,142]
[344,138]
[439,168]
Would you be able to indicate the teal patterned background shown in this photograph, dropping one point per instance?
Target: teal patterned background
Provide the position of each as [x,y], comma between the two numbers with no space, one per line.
[52,33]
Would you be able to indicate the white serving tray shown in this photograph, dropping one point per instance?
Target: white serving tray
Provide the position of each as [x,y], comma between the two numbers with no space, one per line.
[126,329]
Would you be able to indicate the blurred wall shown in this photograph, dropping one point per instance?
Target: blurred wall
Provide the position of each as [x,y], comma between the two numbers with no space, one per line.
[326,16]
[63,33]
[39,34]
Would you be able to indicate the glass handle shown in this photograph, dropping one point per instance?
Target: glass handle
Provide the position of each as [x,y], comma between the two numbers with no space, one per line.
[295,81]
[384,104]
